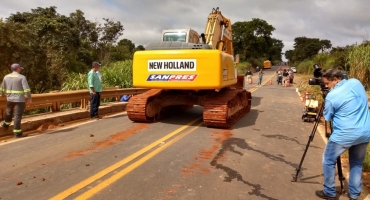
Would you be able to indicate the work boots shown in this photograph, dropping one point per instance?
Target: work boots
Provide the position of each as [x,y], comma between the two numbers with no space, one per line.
[4,126]
[20,135]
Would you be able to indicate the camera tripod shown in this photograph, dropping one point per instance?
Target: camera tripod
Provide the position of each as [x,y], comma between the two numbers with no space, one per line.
[310,139]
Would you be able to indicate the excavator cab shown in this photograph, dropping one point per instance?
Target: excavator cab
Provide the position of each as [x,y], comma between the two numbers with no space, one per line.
[180,35]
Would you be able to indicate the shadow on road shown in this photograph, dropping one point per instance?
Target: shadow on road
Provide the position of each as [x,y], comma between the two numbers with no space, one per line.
[248,120]
[283,137]
[228,145]
[256,101]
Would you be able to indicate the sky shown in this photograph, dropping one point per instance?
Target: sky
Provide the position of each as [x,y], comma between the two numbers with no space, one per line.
[343,22]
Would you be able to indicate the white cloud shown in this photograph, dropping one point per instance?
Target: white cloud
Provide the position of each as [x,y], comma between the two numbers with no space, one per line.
[341,21]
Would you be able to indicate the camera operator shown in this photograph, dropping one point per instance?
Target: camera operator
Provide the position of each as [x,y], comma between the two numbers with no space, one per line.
[346,105]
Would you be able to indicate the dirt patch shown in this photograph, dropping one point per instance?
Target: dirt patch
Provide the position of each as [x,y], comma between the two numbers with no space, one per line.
[113,139]
[204,155]
[48,126]
[169,193]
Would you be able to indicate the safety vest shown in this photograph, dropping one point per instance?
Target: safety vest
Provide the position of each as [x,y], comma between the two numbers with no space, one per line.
[15,86]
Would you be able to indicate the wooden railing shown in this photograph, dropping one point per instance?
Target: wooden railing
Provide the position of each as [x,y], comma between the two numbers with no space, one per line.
[54,100]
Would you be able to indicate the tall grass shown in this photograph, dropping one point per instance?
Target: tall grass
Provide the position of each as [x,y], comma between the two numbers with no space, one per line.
[242,67]
[305,67]
[116,74]
[359,61]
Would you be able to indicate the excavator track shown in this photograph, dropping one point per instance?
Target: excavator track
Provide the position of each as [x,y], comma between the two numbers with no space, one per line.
[226,108]
[150,107]
[221,109]
[137,105]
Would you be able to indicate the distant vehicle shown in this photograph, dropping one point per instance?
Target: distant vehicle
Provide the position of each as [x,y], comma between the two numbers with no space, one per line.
[294,70]
[267,64]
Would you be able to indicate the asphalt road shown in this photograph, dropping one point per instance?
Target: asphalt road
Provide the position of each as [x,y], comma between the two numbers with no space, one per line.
[177,158]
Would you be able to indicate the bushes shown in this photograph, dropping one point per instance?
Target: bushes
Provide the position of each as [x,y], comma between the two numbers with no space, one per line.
[305,67]
[116,74]
[242,67]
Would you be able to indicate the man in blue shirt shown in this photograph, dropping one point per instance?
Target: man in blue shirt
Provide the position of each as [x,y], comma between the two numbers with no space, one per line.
[346,105]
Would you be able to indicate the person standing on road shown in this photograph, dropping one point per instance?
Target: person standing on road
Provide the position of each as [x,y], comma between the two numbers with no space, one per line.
[249,76]
[260,76]
[95,88]
[257,69]
[291,76]
[285,75]
[346,105]
[280,77]
[15,87]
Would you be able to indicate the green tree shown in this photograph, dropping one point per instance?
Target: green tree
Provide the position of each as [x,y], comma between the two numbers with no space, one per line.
[140,48]
[289,54]
[50,38]
[51,45]
[110,33]
[306,48]
[124,50]
[252,40]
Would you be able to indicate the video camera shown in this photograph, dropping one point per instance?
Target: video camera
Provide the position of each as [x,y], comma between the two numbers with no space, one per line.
[317,80]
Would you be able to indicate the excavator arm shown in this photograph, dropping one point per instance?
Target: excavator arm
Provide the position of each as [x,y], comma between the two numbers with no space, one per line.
[218,32]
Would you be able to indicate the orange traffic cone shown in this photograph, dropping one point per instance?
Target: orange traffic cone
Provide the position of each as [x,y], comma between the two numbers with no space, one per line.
[305,96]
[270,82]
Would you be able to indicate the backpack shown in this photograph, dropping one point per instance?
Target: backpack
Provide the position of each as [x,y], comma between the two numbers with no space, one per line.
[125,98]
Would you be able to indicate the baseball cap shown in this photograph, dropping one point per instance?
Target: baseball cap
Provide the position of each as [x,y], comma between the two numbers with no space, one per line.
[95,64]
[15,66]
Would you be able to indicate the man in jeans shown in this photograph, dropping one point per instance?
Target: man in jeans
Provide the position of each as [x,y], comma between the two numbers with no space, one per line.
[346,105]
[15,87]
[95,89]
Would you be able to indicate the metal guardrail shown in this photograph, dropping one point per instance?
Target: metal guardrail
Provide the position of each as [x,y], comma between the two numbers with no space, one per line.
[55,99]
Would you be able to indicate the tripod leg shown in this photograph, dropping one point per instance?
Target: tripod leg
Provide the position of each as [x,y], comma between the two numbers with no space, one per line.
[340,175]
[310,139]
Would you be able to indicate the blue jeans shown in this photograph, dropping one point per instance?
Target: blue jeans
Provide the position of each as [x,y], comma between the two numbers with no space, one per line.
[94,105]
[356,158]
[259,81]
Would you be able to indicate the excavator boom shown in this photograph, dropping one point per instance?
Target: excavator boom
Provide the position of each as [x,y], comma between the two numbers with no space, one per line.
[218,32]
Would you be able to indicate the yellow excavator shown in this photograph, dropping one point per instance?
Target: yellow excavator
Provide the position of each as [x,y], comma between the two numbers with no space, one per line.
[186,69]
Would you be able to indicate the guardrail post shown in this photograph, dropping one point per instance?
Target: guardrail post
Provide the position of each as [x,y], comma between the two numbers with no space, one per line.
[53,107]
[57,106]
[83,104]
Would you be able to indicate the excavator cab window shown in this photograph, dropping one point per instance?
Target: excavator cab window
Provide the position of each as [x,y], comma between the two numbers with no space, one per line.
[175,36]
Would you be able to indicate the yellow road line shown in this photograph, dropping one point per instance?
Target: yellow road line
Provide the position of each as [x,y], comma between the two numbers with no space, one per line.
[104,172]
[263,83]
[113,167]
[133,166]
